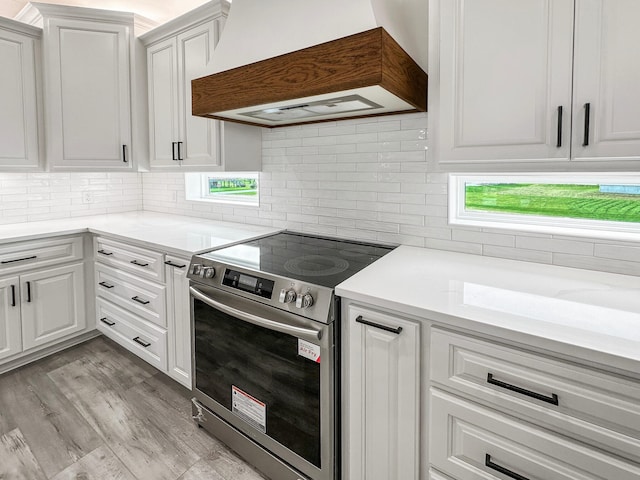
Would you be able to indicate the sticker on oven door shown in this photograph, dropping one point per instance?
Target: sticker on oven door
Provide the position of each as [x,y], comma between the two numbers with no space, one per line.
[249,409]
[309,350]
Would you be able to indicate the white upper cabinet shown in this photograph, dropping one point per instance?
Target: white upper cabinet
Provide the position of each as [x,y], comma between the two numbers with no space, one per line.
[178,52]
[176,137]
[87,94]
[19,95]
[607,79]
[508,90]
[92,83]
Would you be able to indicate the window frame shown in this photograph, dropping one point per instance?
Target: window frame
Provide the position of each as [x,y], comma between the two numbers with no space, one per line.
[615,230]
[197,188]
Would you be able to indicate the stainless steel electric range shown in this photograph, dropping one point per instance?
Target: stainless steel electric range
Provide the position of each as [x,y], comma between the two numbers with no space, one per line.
[266,349]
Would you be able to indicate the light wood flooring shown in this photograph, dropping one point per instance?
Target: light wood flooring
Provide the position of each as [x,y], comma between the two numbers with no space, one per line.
[97,412]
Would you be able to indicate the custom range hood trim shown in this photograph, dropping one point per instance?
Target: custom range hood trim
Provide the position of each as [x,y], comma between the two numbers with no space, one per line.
[367,61]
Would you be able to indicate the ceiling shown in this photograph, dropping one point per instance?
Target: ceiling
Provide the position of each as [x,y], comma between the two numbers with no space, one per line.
[160,11]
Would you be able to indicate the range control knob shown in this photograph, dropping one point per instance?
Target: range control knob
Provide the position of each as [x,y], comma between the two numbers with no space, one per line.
[287,296]
[196,269]
[208,272]
[304,301]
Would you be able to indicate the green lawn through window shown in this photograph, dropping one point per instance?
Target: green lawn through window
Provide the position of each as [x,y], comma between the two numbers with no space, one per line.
[553,200]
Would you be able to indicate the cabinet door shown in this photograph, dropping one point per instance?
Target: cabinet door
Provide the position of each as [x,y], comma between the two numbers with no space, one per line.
[88,94]
[18,94]
[607,75]
[52,304]
[162,71]
[179,320]
[383,393]
[199,136]
[10,335]
[505,68]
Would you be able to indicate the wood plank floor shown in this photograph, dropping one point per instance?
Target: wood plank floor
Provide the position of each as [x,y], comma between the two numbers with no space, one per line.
[97,412]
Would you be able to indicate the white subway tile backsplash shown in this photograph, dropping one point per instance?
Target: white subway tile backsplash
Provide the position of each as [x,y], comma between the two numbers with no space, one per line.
[30,197]
[366,179]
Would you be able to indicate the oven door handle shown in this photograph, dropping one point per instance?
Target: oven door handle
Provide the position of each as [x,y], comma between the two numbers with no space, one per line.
[303,333]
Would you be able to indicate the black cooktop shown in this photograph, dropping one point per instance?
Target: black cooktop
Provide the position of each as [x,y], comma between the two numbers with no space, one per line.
[310,259]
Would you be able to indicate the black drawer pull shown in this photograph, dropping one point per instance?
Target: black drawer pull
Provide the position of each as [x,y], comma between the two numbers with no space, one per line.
[559,133]
[171,264]
[139,300]
[13,295]
[107,321]
[587,124]
[106,285]
[104,252]
[18,259]
[501,469]
[142,342]
[553,399]
[397,330]
[124,154]
[28,292]
[136,262]
[173,151]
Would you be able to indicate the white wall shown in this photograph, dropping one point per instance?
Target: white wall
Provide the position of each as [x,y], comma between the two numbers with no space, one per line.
[368,179]
[29,197]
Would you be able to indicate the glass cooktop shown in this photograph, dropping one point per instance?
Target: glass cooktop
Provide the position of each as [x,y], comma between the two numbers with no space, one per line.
[310,259]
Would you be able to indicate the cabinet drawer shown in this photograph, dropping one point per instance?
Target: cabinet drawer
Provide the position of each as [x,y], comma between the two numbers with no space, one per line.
[18,257]
[529,386]
[145,340]
[144,298]
[142,262]
[469,442]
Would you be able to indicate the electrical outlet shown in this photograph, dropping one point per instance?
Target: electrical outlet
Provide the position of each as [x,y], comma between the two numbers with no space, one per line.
[87,197]
[173,196]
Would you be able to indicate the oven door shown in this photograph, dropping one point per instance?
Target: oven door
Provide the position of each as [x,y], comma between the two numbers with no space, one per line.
[268,373]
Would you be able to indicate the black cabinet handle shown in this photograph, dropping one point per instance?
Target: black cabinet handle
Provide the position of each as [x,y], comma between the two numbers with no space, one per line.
[559,137]
[107,321]
[139,300]
[180,151]
[104,252]
[553,399]
[105,285]
[397,330]
[141,342]
[13,295]
[28,292]
[18,259]
[140,264]
[173,151]
[124,154]
[171,264]
[501,469]
[587,121]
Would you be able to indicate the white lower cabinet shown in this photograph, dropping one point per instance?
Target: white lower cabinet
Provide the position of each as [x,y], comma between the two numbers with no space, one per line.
[471,442]
[143,304]
[10,332]
[178,320]
[52,304]
[43,301]
[500,412]
[382,396]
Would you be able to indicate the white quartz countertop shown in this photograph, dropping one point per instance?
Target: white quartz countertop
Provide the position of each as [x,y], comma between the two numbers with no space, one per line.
[179,235]
[551,307]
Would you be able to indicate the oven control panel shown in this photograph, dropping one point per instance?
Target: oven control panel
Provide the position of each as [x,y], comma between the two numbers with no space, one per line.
[310,301]
[248,283]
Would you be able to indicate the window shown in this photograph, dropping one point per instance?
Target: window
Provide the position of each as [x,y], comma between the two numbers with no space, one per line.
[578,204]
[235,188]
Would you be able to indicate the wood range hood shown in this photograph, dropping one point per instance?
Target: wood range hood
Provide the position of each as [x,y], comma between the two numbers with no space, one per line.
[259,80]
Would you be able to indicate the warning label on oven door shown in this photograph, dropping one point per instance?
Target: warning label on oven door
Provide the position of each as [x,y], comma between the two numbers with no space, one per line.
[249,409]
[309,350]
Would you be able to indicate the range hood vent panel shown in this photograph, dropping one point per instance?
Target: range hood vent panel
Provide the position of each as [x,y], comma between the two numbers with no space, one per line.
[358,64]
